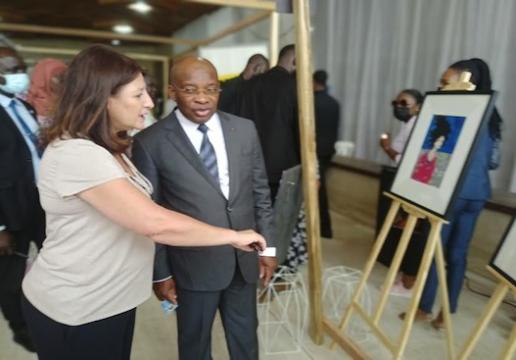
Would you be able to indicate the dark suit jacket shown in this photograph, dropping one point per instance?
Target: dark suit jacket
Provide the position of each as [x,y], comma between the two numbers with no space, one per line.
[327,112]
[230,92]
[165,155]
[270,101]
[20,209]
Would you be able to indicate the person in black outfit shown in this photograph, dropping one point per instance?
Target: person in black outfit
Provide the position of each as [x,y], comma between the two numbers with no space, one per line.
[256,65]
[21,216]
[269,100]
[327,112]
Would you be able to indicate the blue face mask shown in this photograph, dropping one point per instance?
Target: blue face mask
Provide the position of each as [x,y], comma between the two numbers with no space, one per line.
[15,83]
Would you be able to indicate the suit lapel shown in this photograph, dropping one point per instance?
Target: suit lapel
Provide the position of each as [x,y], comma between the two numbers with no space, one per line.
[9,122]
[180,141]
[232,148]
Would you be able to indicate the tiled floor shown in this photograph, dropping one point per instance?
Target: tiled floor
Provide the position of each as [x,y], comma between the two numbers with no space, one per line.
[155,333]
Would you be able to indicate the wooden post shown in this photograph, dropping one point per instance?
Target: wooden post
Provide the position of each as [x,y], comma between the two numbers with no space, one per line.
[305,96]
[166,74]
[274,39]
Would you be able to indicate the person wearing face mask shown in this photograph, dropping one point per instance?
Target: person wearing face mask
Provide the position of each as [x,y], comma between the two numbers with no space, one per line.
[21,216]
[405,108]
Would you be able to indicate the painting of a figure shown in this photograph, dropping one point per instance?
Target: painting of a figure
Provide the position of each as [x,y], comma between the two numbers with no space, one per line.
[439,150]
[438,146]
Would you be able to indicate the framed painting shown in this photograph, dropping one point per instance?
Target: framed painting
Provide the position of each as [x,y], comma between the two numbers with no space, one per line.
[439,148]
[504,258]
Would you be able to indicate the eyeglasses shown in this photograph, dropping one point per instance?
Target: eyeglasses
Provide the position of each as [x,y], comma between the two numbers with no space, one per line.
[401,103]
[194,91]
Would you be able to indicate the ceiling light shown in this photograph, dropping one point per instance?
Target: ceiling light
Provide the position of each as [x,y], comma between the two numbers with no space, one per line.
[141,7]
[123,29]
[115,42]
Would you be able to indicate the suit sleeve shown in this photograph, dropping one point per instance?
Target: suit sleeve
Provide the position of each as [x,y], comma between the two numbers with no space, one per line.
[143,161]
[261,193]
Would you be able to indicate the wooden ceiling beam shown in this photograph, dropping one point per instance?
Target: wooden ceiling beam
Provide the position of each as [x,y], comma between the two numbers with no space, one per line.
[61,31]
[248,21]
[165,4]
[73,52]
[249,4]
[114,2]
[164,60]
[8,15]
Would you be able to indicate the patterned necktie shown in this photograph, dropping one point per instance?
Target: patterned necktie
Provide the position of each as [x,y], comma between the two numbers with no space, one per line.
[26,129]
[207,153]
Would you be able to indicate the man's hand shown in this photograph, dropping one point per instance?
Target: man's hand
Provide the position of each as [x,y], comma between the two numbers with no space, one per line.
[268,265]
[6,243]
[165,290]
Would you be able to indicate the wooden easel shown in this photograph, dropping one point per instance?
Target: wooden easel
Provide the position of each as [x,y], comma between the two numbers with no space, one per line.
[501,290]
[433,249]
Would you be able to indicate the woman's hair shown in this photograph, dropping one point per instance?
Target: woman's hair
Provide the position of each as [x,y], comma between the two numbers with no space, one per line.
[442,128]
[414,94]
[481,77]
[94,75]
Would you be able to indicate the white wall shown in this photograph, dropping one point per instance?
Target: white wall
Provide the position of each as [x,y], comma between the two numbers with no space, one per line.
[231,59]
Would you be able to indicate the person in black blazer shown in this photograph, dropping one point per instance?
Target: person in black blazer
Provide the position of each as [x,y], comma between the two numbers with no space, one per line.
[327,114]
[21,216]
[170,154]
[256,64]
[270,101]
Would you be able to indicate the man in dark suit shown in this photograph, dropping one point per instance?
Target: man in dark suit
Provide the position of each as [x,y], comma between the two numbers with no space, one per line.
[21,216]
[327,113]
[270,101]
[208,164]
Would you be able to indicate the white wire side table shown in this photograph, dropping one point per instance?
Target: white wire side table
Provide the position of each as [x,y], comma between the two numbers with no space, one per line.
[339,285]
[282,312]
